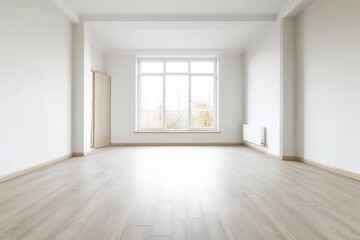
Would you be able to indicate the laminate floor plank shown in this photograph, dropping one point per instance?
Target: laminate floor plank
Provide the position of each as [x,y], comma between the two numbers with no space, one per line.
[160,238]
[197,229]
[193,207]
[148,212]
[162,224]
[136,233]
[179,228]
[212,219]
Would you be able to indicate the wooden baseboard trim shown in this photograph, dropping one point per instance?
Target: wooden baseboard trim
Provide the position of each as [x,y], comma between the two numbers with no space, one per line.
[336,170]
[291,158]
[339,171]
[254,147]
[82,154]
[78,154]
[260,149]
[33,168]
[274,156]
[179,144]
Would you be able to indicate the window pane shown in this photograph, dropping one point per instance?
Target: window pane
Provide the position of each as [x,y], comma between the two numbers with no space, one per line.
[202,93]
[152,67]
[177,101]
[151,102]
[202,119]
[177,67]
[177,88]
[176,120]
[202,67]
[151,119]
[151,93]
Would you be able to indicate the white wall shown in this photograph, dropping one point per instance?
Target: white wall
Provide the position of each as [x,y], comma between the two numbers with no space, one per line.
[121,68]
[263,86]
[97,59]
[82,89]
[88,56]
[288,83]
[35,84]
[328,78]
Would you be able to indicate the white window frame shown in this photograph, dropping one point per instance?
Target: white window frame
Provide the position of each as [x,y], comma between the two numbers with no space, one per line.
[141,59]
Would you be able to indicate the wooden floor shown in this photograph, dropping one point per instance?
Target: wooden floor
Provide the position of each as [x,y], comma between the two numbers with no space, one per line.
[179,193]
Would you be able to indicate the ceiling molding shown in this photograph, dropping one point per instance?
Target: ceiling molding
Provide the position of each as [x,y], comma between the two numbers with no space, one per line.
[293,8]
[73,16]
[119,51]
[299,8]
[179,17]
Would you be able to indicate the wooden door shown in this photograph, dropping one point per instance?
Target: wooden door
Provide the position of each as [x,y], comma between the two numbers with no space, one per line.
[101,110]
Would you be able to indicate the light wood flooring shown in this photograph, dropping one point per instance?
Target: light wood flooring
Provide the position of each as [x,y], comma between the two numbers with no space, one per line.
[179,193]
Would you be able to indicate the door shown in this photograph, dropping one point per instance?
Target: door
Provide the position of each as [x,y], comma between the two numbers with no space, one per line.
[101,110]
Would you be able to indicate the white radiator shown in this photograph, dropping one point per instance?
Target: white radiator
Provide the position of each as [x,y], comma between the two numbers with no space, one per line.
[254,134]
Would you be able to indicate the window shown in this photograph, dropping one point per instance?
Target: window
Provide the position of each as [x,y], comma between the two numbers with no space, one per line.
[176,94]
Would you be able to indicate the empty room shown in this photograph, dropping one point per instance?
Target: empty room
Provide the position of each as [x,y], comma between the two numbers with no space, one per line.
[179,119]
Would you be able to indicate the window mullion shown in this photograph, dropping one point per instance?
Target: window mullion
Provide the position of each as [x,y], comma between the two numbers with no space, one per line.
[216,98]
[164,95]
[138,96]
[189,95]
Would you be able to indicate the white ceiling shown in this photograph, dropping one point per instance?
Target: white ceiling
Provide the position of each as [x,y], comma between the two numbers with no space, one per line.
[82,7]
[175,24]
[175,35]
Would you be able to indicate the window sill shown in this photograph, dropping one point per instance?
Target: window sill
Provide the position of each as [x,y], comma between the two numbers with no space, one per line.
[177,132]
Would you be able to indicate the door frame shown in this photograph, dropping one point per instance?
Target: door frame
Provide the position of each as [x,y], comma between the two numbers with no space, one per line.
[92,136]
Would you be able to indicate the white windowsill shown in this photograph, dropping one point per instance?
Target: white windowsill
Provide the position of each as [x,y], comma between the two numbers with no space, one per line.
[177,132]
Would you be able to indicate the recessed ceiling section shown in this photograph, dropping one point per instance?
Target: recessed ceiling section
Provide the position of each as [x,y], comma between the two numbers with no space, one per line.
[115,36]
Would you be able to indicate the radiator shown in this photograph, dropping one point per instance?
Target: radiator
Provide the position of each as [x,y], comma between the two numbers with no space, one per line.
[254,134]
